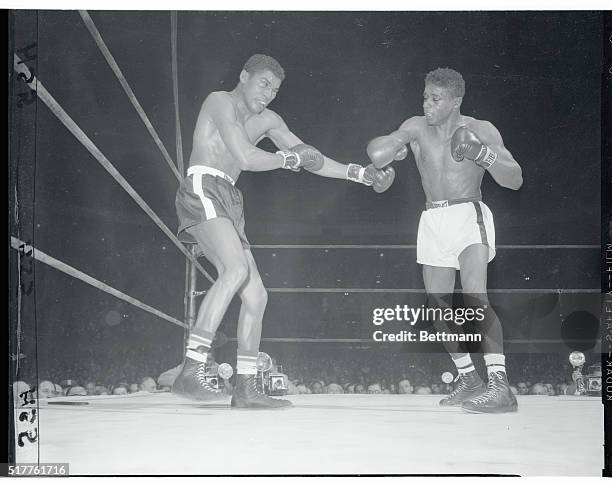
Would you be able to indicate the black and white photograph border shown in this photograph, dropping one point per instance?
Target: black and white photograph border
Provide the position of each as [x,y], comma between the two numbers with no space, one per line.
[105,108]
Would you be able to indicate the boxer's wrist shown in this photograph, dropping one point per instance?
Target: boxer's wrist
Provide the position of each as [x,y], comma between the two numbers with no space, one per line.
[355,173]
[486,157]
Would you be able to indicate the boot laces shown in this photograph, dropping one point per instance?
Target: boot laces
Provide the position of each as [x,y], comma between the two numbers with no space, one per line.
[462,385]
[494,387]
[200,375]
[252,383]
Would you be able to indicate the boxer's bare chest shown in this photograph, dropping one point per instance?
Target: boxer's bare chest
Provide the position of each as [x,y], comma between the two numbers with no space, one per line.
[441,175]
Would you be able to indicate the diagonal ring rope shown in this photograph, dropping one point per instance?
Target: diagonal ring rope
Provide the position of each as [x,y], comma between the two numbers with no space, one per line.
[78,133]
[39,255]
[126,87]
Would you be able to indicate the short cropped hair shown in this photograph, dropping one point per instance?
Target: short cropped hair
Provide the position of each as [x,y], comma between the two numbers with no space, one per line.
[262,62]
[447,78]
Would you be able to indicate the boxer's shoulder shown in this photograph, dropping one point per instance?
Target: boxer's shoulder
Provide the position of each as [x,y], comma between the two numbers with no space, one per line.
[474,124]
[412,128]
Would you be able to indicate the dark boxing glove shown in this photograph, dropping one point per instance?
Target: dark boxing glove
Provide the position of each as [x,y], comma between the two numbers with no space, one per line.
[379,180]
[302,156]
[383,179]
[465,144]
[385,149]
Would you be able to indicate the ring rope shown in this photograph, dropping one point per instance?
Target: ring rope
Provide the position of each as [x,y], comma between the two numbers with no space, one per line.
[348,290]
[411,246]
[366,340]
[177,119]
[39,255]
[59,112]
[89,23]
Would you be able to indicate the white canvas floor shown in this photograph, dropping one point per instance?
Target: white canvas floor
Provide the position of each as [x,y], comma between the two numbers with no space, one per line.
[161,434]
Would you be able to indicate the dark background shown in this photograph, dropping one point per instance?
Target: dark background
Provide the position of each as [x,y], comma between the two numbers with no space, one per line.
[350,76]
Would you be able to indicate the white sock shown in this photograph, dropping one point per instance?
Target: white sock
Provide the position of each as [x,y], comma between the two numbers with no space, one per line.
[246,363]
[464,364]
[495,362]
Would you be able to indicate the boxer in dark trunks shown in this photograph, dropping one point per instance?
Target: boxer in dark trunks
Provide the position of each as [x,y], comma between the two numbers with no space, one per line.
[456,231]
[210,212]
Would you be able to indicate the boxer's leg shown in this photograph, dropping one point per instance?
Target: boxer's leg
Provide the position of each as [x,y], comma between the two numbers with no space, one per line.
[218,239]
[221,245]
[498,397]
[254,298]
[473,273]
[440,285]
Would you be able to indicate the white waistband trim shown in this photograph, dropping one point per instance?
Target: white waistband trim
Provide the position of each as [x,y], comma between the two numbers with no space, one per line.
[207,170]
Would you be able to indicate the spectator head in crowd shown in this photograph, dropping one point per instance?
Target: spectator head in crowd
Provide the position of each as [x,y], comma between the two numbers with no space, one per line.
[317,387]
[404,387]
[147,384]
[334,388]
[303,389]
[550,390]
[359,388]
[291,388]
[422,390]
[374,389]
[45,389]
[133,388]
[120,390]
[76,391]
[561,388]
[349,388]
[538,389]
[436,389]
[571,389]
[90,387]
[58,390]
[523,389]
[101,390]
[392,388]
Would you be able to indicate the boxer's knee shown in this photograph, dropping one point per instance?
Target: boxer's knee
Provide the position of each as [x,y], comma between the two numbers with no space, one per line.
[234,275]
[255,295]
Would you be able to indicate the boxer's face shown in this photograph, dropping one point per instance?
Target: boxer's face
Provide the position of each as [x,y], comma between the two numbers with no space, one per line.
[260,88]
[438,104]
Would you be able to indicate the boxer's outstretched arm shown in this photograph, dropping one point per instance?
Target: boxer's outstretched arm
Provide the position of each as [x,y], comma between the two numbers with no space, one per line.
[383,150]
[234,136]
[284,138]
[505,171]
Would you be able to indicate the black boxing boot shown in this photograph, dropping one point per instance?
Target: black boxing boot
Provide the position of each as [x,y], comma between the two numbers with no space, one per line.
[470,385]
[191,383]
[497,399]
[247,395]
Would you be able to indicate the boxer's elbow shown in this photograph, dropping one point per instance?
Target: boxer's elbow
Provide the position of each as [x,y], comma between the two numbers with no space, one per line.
[515,179]
[246,160]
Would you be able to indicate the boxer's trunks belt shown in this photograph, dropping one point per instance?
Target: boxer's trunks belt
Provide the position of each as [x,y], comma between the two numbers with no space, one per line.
[207,170]
[448,203]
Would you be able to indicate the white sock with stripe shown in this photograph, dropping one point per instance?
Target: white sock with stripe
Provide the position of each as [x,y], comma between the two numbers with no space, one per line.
[464,364]
[495,362]
[246,363]
[198,345]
